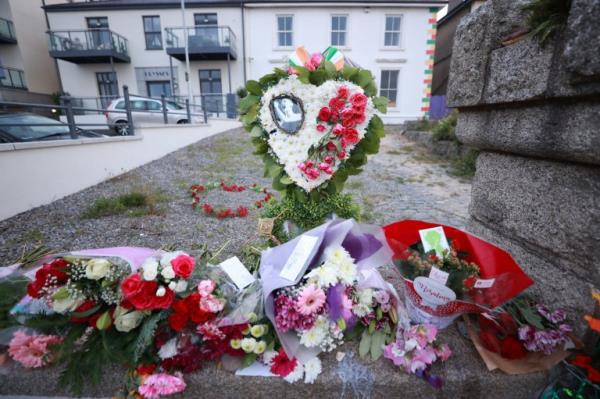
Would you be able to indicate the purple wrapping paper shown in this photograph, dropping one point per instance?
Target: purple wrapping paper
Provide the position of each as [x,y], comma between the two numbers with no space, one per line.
[366,244]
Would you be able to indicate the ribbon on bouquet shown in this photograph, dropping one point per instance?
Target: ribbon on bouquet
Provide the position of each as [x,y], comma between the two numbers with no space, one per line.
[301,58]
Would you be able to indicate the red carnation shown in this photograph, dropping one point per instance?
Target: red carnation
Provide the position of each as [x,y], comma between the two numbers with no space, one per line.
[207,208]
[281,365]
[324,114]
[242,211]
[336,104]
[351,135]
[183,265]
[512,348]
[177,321]
[132,285]
[145,369]
[34,288]
[162,302]
[321,128]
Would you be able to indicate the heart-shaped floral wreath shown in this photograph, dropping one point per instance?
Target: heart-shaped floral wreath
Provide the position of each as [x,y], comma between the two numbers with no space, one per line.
[313,125]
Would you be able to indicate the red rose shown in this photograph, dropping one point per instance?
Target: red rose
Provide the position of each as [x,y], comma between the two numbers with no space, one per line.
[358,100]
[242,211]
[330,146]
[162,302]
[183,265]
[343,92]
[33,288]
[351,135]
[321,128]
[512,348]
[132,285]
[177,321]
[143,299]
[324,114]
[338,130]
[336,104]
[359,118]
[489,341]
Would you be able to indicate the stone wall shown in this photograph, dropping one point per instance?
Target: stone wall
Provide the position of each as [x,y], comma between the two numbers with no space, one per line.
[534,112]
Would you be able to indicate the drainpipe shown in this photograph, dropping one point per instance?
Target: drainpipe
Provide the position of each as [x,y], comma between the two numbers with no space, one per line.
[60,85]
[243,41]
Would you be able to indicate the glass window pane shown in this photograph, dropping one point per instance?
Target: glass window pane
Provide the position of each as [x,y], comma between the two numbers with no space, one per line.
[281,39]
[393,80]
[147,24]
[395,39]
[388,39]
[289,23]
[334,23]
[334,38]
[156,24]
[280,23]
[342,23]
[388,23]
[342,39]
[384,79]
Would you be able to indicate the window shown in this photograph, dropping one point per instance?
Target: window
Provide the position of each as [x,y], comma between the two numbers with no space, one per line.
[284,30]
[205,19]
[97,22]
[99,37]
[211,89]
[138,105]
[152,33]
[207,30]
[120,105]
[108,87]
[153,106]
[392,30]
[338,30]
[389,86]
[158,88]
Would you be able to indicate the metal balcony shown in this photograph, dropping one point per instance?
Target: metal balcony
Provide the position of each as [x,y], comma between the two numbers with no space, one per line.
[12,78]
[89,46]
[7,32]
[204,43]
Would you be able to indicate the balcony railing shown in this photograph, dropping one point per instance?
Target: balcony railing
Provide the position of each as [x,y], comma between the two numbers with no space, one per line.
[12,78]
[204,43]
[7,31]
[88,46]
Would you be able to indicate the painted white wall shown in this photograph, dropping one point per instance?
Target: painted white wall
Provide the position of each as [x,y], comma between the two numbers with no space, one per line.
[80,79]
[365,45]
[32,183]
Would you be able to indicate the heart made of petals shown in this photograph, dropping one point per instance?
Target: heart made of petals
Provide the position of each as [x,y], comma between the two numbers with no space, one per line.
[292,150]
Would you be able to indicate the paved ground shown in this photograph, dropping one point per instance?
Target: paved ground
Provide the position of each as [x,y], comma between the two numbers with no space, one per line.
[401,182]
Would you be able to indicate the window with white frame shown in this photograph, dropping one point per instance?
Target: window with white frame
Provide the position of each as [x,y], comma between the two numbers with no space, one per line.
[284,30]
[388,86]
[338,30]
[392,30]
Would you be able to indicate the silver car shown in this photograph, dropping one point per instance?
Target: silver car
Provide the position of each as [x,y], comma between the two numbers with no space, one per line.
[145,110]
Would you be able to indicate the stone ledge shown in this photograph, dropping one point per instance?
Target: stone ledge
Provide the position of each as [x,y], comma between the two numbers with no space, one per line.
[565,131]
[564,227]
[71,142]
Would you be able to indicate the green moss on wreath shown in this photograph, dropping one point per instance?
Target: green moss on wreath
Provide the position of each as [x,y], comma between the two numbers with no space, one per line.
[310,214]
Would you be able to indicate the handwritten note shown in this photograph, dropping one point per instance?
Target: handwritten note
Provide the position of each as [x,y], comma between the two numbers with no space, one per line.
[434,239]
[237,272]
[298,257]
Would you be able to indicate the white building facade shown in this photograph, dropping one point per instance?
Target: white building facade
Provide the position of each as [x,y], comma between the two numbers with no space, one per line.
[103,45]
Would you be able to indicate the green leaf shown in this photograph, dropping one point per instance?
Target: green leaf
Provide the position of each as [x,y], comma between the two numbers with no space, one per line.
[381,104]
[273,170]
[371,89]
[379,313]
[253,87]
[365,344]
[249,358]
[247,102]
[377,341]
[89,312]
[303,74]
[376,126]
[146,334]
[286,180]
[348,72]
[372,326]
[330,69]
[318,77]
[362,78]
[250,116]
[104,321]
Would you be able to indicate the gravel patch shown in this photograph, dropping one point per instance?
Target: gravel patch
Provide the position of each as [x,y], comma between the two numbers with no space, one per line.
[401,182]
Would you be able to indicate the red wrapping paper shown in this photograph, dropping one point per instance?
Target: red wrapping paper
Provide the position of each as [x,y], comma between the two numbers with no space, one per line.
[494,263]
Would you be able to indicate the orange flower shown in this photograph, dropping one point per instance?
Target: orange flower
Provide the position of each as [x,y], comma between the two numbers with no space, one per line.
[594,323]
[596,295]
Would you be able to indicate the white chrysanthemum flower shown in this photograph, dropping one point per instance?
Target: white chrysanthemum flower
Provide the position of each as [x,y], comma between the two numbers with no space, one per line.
[339,255]
[361,310]
[295,375]
[312,369]
[324,276]
[268,356]
[347,272]
[313,337]
[365,297]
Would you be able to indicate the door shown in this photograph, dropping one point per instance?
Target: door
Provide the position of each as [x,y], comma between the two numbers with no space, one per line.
[206,30]
[108,87]
[155,114]
[211,89]
[99,36]
[139,111]
[159,87]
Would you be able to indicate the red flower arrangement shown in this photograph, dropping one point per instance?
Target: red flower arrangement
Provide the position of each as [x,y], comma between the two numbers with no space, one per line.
[338,124]
[226,212]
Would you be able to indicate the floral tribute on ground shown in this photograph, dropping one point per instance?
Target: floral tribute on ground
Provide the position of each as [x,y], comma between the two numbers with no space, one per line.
[199,202]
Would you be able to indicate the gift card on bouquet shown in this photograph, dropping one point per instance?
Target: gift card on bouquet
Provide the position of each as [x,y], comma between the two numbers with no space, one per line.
[434,239]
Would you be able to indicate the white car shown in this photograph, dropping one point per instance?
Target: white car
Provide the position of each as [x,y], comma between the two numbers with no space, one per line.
[145,110]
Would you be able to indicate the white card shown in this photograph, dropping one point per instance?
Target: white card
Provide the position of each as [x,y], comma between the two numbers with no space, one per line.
[256,369]
[237,272]
[484,283]
[438,275]
[298,257]
[434,239]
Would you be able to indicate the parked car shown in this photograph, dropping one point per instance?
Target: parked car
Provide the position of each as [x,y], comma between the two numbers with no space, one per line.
[54,130]
[145,110]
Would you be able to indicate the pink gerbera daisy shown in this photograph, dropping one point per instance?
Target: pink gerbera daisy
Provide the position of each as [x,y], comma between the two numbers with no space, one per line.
[311,299]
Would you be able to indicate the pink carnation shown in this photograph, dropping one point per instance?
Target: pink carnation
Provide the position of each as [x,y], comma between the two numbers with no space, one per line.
[32,351]
[211,304]
[161,384]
